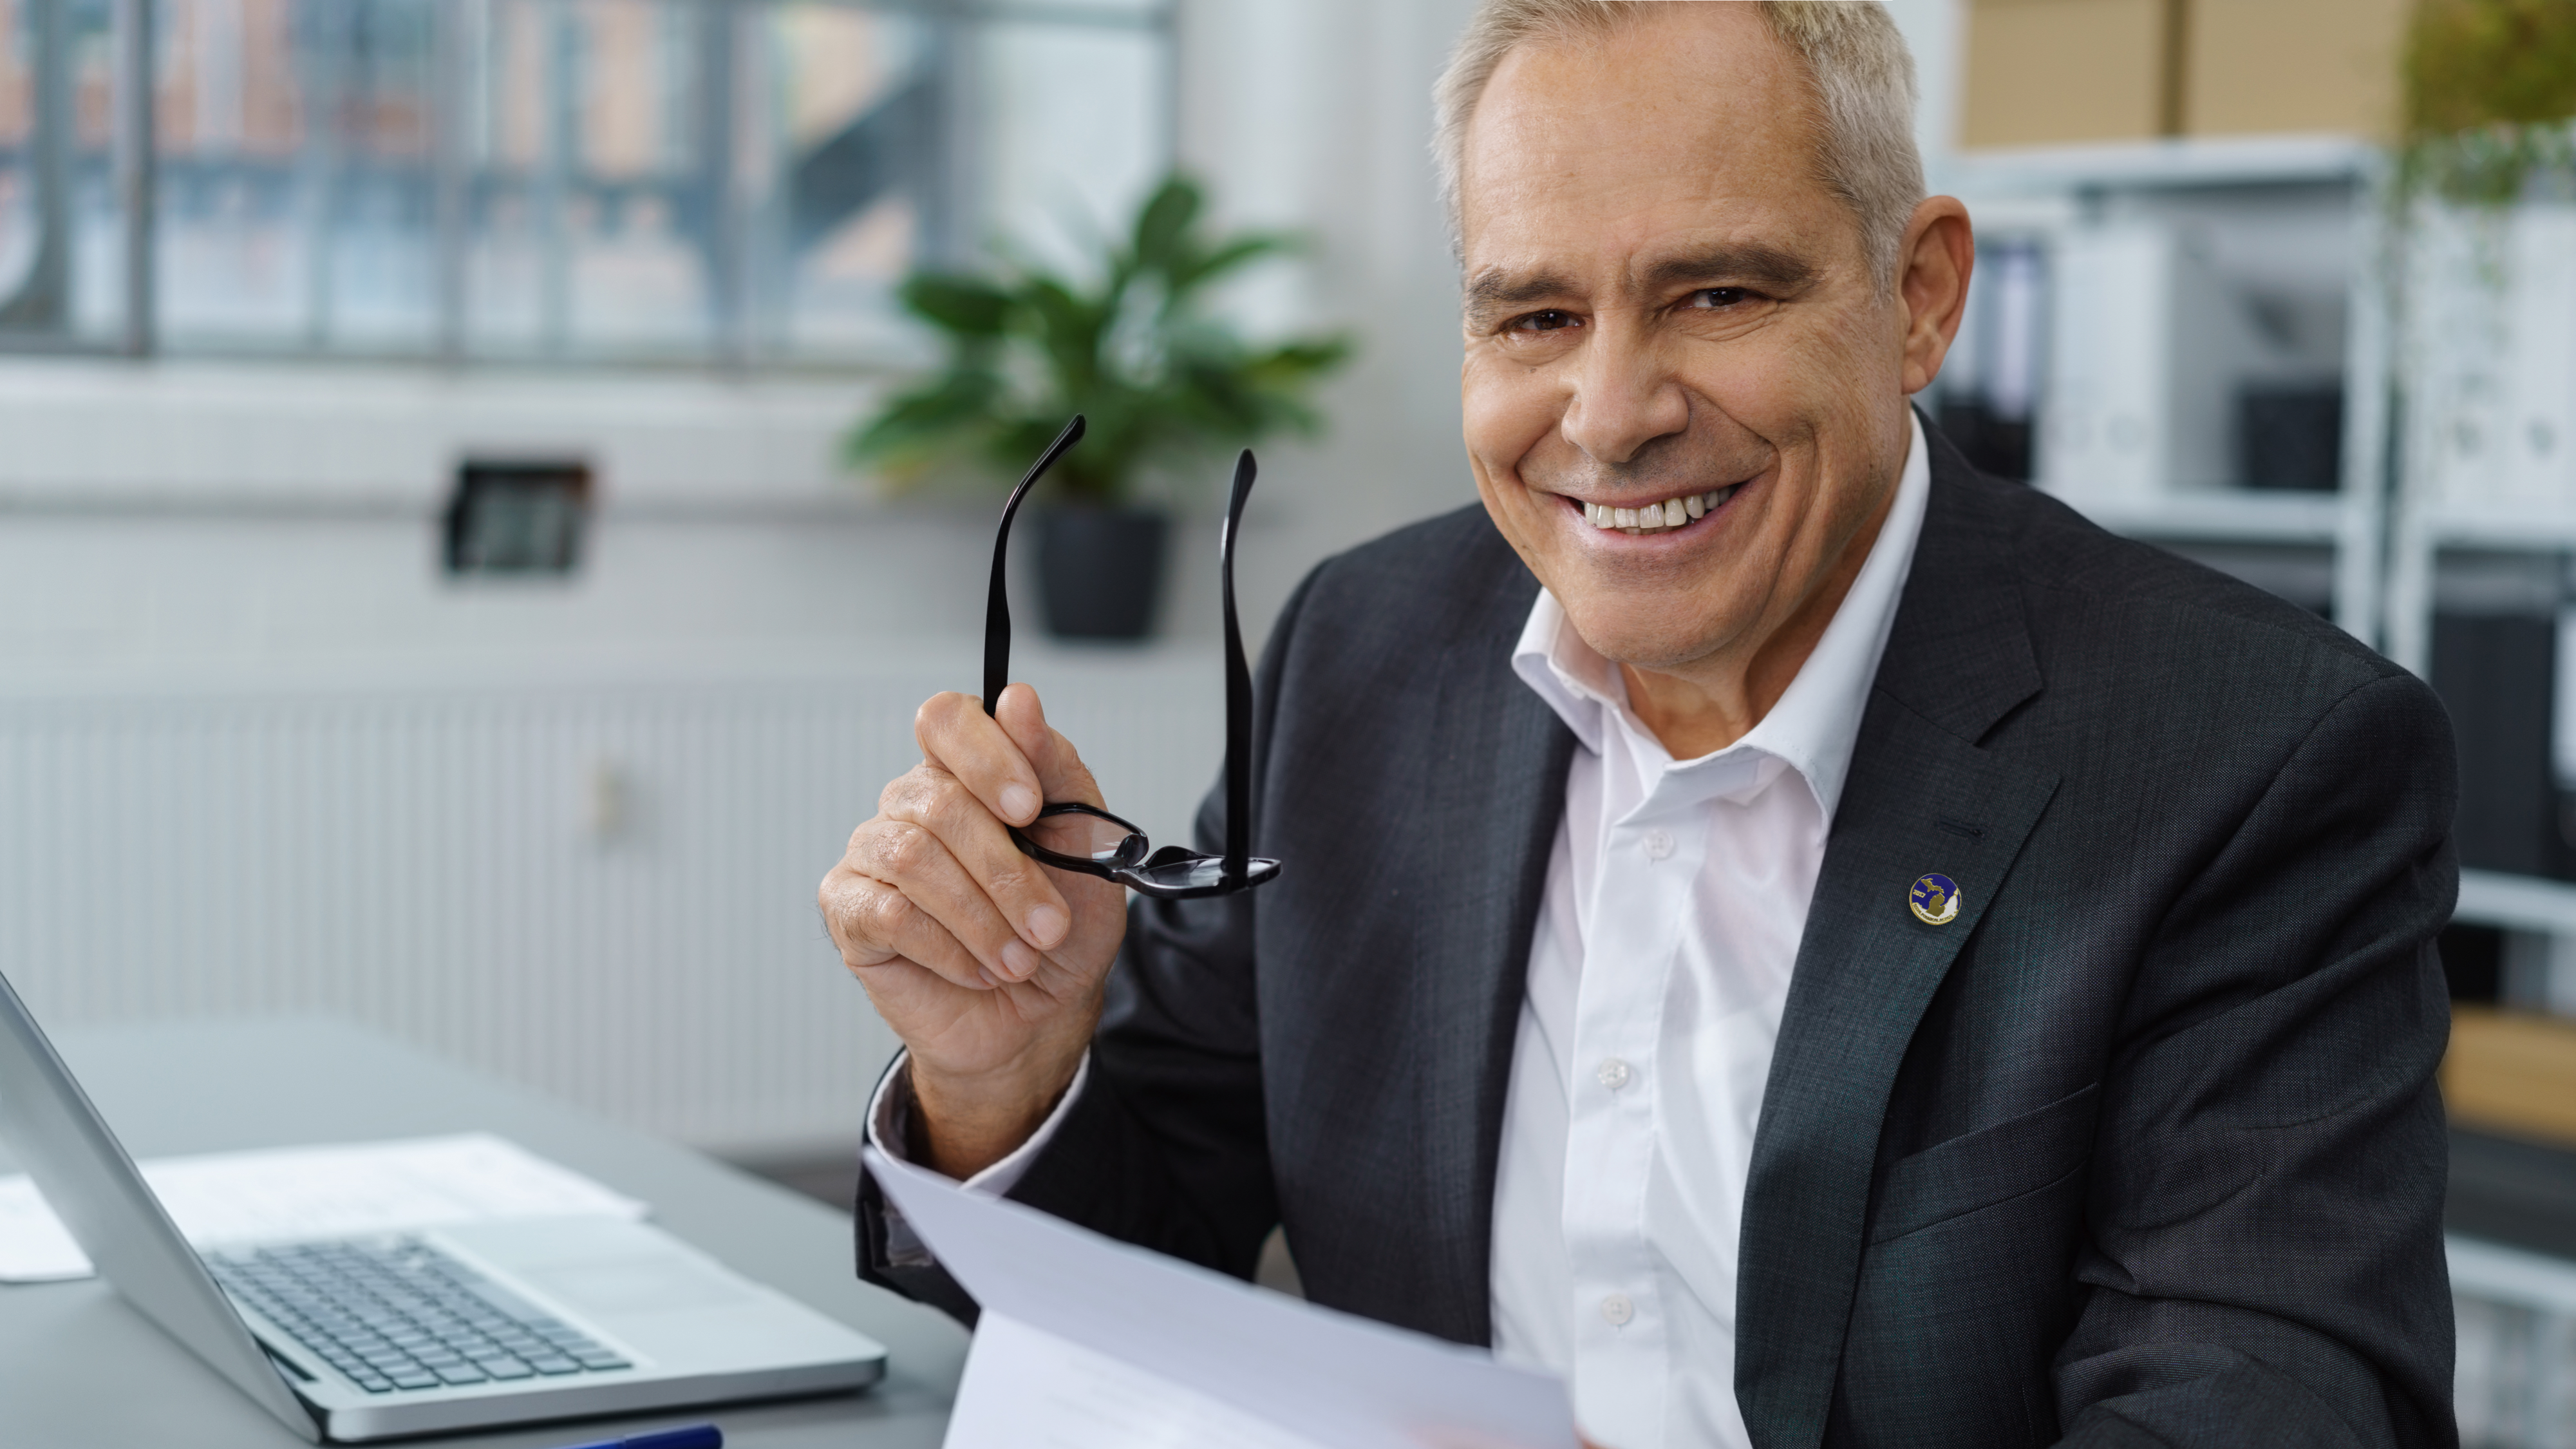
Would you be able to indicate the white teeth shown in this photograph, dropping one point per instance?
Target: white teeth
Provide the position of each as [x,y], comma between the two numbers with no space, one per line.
[1657,517]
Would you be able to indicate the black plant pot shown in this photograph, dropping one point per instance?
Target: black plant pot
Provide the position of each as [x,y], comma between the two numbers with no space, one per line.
[1100,570]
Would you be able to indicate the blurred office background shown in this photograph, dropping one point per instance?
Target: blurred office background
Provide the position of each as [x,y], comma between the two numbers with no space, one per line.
[430,592]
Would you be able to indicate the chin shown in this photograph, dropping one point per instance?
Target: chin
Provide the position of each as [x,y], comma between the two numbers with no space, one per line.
[1647,633]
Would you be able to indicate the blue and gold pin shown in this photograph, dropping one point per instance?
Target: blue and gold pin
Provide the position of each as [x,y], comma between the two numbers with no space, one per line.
[1935,899]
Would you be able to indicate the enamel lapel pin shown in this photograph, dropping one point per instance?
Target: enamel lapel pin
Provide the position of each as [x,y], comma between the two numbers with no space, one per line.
[1935,899]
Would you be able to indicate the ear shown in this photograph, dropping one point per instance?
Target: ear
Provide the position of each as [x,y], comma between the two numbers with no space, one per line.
[1933,265]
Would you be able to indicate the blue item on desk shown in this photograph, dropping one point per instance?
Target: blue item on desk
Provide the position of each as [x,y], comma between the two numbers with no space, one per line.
[695,1436]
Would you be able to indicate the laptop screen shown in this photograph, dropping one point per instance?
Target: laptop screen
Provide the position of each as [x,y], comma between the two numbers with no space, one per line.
[92,1186]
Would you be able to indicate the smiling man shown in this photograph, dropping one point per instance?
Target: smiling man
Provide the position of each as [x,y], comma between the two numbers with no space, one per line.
[1812,944]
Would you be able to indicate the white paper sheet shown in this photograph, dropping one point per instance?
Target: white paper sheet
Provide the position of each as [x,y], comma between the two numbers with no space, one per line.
[1087,1343]
[286,1193]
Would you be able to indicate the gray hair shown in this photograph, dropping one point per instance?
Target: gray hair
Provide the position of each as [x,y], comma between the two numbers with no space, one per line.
[1856,59]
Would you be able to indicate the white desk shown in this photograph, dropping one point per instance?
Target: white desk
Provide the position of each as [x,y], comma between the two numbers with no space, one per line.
[78,1367]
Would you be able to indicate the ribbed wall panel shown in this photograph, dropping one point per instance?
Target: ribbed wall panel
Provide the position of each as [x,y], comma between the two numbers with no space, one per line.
[424,861]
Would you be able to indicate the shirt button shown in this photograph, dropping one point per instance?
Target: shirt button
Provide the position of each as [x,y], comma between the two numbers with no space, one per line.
[1614,1073]
[1616,1310]
[1659,844]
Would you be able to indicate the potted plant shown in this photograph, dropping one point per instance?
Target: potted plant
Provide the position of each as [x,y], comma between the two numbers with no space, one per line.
[1135,349]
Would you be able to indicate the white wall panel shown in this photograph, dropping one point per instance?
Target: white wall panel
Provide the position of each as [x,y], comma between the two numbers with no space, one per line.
[432,860]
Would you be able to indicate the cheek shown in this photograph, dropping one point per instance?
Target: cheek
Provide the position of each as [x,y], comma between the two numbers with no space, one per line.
[1774,383]
[1508,409]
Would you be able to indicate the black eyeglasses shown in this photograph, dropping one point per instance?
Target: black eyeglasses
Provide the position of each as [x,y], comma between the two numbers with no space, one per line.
[1121,852]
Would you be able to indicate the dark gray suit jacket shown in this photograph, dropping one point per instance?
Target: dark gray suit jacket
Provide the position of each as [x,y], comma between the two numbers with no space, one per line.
[2143,1147]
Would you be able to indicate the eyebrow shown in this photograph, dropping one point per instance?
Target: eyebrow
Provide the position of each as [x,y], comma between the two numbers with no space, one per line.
[1494,291]
[1750,262]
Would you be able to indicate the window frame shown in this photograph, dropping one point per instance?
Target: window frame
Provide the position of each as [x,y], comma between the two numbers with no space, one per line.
[731,341]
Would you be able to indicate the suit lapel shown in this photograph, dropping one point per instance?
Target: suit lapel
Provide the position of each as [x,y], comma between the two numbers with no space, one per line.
[1921,798]
[1492,800]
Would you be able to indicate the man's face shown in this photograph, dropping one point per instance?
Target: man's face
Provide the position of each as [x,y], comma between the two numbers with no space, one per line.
[1664,303]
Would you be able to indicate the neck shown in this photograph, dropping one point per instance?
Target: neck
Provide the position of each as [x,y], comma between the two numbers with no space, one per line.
[1713,702]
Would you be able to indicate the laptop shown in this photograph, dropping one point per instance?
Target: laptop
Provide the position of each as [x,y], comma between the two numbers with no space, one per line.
[419,1333]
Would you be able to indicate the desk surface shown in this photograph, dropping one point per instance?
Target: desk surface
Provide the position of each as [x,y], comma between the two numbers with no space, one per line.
[78,1367]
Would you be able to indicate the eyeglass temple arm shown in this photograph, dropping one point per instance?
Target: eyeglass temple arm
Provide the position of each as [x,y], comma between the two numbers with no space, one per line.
[1238,688]
[997,602]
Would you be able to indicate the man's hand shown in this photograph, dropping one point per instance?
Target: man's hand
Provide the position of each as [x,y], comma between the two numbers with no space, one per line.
[988,965]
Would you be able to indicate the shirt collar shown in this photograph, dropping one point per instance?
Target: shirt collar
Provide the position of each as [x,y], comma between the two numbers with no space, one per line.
[1815,725]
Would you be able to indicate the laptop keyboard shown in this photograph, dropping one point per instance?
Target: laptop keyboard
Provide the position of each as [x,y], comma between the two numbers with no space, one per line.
[400,1315]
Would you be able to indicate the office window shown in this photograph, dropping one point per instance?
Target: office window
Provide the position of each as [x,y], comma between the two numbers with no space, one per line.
[62,212]
[691,181]
[295,149]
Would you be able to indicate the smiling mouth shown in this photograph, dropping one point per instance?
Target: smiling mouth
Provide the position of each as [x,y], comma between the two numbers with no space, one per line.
[1661,517]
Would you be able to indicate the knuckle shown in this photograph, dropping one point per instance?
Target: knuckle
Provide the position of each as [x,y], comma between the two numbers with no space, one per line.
[951,808]
[938,712]
[849,917]
[883,916]
[903,848]
[1016,879]
[903,793]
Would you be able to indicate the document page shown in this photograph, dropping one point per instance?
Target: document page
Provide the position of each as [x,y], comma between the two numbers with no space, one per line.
[282,1193]
[1086,1343]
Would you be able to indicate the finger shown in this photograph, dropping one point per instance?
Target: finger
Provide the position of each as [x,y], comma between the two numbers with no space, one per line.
[875,925]
[844,901]
[911,899]
[1061,774]
[955,734]
[858,911]
[981,885]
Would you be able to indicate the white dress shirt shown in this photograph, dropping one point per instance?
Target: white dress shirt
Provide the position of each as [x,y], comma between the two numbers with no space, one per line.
[1676,895]
[1636,1083]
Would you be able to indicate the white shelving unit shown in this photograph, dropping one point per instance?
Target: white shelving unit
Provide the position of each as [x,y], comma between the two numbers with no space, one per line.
[2517,902]
[2146,242]
[2487,322]
[2517,1344]
[2178,271]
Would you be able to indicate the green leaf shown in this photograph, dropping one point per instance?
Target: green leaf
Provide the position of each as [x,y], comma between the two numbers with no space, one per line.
[1163,227]
[1069,332]
[961,305]
[1190,273]
[924,426]
[1310,357]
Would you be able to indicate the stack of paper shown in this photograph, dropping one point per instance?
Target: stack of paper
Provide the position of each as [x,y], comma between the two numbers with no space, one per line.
[287,1193]
[1087,1343]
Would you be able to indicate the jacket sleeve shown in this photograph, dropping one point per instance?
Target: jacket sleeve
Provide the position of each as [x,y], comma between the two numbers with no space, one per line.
[2264,1259]
[1166,1145]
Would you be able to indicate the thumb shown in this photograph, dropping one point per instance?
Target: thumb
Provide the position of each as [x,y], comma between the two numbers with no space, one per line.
[1062,776]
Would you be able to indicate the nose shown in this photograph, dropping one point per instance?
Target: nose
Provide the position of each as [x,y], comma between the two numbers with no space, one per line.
[1625,394]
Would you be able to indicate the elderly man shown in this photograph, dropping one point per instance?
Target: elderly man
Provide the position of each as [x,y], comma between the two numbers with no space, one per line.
[1811,944]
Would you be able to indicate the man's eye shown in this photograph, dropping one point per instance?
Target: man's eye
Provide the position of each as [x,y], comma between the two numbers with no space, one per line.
[1550,320]
[1721,297]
